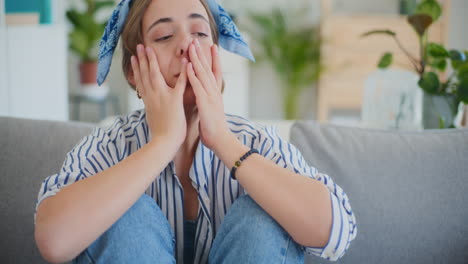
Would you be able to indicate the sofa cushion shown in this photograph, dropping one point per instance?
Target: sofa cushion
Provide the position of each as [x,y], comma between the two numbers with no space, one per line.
[31,151]
[408,190]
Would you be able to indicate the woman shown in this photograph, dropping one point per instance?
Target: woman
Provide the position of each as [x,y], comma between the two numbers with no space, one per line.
[181,181]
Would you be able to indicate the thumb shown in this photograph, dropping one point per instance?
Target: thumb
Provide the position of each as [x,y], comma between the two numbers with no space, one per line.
[182,81]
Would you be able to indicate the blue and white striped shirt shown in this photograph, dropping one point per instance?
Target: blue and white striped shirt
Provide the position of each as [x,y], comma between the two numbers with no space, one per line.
[103,148]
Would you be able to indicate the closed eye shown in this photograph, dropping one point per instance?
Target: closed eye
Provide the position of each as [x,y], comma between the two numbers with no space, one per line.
[201,34]
[164,38]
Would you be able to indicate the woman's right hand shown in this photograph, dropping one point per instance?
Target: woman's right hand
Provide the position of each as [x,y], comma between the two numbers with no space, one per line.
[164,105]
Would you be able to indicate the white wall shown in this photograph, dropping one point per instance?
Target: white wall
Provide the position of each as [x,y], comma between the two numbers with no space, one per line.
[27,88]
[458,35]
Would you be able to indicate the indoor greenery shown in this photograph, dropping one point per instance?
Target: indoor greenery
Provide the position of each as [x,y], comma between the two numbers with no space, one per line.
[87,31]
[433,60]
[293,51]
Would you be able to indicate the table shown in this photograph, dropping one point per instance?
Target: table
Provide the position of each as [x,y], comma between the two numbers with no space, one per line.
[77,99]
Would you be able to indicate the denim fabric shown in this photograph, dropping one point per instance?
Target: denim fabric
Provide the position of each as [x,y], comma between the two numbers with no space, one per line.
[143,235]
[250,235]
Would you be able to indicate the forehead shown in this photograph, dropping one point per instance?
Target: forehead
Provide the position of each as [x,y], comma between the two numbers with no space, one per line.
[175,9]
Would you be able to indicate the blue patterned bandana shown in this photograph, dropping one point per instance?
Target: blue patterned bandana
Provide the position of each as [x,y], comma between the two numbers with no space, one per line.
[229,37]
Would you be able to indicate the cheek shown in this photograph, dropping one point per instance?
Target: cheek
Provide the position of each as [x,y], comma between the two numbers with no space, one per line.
[164,65]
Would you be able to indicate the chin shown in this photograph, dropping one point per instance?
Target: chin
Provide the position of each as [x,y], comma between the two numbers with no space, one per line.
[189,96]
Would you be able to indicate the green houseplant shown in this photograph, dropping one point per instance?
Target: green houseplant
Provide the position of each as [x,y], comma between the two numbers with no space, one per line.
[294,52]
[432,62]
[85,35]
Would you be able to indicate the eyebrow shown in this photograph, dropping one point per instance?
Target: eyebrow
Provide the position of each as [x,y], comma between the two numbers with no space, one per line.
[170,20]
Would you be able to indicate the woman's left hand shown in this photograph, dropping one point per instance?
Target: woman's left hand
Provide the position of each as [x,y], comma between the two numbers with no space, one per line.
[206,83]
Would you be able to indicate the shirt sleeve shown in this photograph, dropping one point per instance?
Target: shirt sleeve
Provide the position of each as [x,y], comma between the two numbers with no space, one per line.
[94,153]
[344,230]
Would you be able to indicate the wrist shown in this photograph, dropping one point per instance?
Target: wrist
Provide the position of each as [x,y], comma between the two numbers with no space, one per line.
[230,151]
[166,144]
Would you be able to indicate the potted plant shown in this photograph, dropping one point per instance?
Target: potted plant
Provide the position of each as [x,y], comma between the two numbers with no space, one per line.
[439,83]
[294,52]
[84,39]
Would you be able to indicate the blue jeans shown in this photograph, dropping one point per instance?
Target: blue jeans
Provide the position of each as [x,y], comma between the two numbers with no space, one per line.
[143,235]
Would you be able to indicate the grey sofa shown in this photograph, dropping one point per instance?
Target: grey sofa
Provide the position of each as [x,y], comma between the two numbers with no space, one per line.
[409,190]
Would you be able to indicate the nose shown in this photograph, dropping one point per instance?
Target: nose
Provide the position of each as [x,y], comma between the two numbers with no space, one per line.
[182,49]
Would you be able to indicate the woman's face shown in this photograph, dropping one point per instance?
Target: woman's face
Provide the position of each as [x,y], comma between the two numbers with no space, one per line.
[169,26]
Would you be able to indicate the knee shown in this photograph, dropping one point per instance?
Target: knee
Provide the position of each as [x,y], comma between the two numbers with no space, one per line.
[248,214]
[142,229]
[246,207]
[144,216]
[145,206]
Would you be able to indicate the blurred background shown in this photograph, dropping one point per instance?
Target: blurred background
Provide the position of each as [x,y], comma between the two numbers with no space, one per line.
[312,62]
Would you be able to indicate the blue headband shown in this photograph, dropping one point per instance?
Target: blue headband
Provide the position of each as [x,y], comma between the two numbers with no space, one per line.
[229,37]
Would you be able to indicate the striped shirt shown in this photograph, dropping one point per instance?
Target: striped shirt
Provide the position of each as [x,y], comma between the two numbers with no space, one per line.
[104,148]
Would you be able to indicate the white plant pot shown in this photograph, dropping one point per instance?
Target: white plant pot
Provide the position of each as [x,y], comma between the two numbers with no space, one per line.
[94,91]
[392,100]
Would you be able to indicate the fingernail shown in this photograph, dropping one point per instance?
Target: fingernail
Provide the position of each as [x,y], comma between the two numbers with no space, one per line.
[140,48]
[184,61]
[148,49]
[197,42]
[216,48]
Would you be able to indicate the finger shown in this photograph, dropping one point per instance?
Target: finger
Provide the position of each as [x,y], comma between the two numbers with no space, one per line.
[136,75]
[200,72]
[182,81]
[209,80]
[144,67]
[155,72]
[196,84]
[203,59]
[217,71]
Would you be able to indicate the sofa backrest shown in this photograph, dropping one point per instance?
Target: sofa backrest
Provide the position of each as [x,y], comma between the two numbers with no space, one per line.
[408,190]
[31,150]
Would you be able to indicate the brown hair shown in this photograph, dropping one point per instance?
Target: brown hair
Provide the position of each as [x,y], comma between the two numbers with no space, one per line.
[132,33]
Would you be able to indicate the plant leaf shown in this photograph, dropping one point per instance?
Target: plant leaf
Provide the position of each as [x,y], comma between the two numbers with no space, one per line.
[429,82]
[463,91]
[385,61]
[462,73]
[457,55]
[101,4]
[431,8]
[459,59]
[437,50]
[441,122]
[439,64]
[420,23]
[72,16]
[379,32]
[79,43]
[297,63]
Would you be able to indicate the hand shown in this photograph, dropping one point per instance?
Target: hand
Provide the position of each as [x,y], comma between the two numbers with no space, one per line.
[206,82]
[164,105]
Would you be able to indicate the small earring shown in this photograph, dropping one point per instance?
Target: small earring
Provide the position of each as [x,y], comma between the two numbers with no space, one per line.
[138,93]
